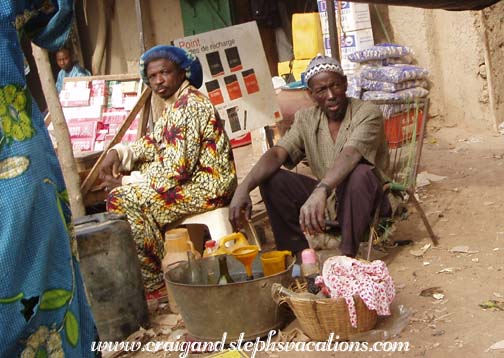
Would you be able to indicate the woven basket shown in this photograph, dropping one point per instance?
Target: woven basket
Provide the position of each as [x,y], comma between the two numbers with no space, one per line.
[319,318]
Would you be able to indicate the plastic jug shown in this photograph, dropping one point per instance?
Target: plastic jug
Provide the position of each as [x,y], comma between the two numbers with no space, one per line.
[176,245]
[273,262]
[231,242]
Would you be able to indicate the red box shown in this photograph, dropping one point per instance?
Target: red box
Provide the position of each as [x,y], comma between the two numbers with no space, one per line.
[84,129]
[400,127]
[83,144]
[76,97]
[88,113]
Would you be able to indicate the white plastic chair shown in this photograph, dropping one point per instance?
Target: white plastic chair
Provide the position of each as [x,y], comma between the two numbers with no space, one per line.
[219,226]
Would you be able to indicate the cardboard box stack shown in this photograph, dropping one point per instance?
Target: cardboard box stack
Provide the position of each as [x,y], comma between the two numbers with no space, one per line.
[307,43]
[95,109]
[355,33]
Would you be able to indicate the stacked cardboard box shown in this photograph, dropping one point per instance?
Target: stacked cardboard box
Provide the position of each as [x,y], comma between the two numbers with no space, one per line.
[94,111]
[355,32]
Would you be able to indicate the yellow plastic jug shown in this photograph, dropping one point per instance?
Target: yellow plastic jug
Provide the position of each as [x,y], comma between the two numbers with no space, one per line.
[176,245]
[231,242]
[273,262]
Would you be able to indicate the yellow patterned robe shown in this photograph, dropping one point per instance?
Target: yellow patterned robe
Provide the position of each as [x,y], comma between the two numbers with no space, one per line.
[187,165]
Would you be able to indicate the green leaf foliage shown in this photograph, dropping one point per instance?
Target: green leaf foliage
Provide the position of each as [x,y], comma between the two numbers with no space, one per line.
[71,328]
[54,299]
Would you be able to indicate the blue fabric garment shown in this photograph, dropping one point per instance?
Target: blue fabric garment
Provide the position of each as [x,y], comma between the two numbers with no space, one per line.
[186,60]
[76,71]
[43,308]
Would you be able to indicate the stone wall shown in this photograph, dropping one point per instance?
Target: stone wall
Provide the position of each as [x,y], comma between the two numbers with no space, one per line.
[450,45]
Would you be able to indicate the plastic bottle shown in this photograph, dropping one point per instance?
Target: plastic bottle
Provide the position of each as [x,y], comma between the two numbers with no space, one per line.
[310,269]
[224,277]
[210,248]
[309,264]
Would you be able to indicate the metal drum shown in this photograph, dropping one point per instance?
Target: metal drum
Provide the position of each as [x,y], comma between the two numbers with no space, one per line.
[211,310]
[111,274]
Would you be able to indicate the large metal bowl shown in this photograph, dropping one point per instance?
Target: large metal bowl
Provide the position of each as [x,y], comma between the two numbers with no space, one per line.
[245,307]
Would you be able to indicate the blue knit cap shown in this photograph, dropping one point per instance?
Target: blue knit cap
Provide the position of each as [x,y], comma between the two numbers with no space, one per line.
[186,60]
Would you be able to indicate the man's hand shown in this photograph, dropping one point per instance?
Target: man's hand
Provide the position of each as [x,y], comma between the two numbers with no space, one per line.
[110,165]
[311,216]
[109,182]
[240,208]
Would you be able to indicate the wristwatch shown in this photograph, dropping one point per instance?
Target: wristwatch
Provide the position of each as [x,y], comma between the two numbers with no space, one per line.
[327,188]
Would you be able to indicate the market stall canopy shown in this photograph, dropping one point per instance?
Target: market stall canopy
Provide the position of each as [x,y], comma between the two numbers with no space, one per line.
[446,5]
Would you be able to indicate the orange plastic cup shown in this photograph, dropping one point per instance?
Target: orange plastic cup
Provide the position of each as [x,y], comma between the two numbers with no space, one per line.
[273,262]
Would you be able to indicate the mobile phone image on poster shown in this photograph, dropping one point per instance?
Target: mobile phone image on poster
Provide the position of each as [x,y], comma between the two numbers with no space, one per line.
[214,92]
[233,59]
[233,87]
[234,119]
[250,80]
[215,64]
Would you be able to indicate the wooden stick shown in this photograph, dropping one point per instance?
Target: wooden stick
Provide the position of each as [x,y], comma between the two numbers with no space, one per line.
[65,152]
[93,174]
[434,238]
[47,119]
[144,119]
[119,77]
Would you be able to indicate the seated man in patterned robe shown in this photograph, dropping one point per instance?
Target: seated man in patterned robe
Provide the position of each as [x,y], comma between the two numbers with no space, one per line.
[185,166]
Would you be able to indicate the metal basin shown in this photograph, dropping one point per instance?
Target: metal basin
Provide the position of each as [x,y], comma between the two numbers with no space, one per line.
[246,307]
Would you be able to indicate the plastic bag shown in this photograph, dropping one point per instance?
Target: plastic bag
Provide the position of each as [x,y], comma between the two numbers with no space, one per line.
[379,52]
[394,73]
[387,327]
[391,87]
[354,89]
[405,60]
[407,94]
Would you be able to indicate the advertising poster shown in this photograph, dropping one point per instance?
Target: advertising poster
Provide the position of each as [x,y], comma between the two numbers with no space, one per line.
[236,76]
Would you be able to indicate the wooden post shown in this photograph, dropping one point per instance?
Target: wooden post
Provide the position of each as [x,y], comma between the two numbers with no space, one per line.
[489,70]
[138,11]
[101,39]
[65,152]
[333,32]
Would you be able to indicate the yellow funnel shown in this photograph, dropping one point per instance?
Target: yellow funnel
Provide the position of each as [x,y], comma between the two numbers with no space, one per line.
[246,255]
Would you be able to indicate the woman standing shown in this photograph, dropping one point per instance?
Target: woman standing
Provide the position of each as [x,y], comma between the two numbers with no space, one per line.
[43,308]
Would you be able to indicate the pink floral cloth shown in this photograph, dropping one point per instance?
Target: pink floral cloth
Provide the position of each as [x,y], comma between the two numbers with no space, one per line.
[345,277]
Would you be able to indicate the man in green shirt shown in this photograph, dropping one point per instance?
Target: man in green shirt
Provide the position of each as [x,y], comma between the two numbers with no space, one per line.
[343,140]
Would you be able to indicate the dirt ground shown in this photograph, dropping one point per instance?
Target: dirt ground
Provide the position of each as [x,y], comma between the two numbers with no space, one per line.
[465,209]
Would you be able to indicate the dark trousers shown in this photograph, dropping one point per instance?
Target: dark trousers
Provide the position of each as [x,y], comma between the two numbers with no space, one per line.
[358,197]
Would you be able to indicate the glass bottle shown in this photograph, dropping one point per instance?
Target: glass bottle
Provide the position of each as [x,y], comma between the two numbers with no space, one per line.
[211,269]
[224,277]
[194,270]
